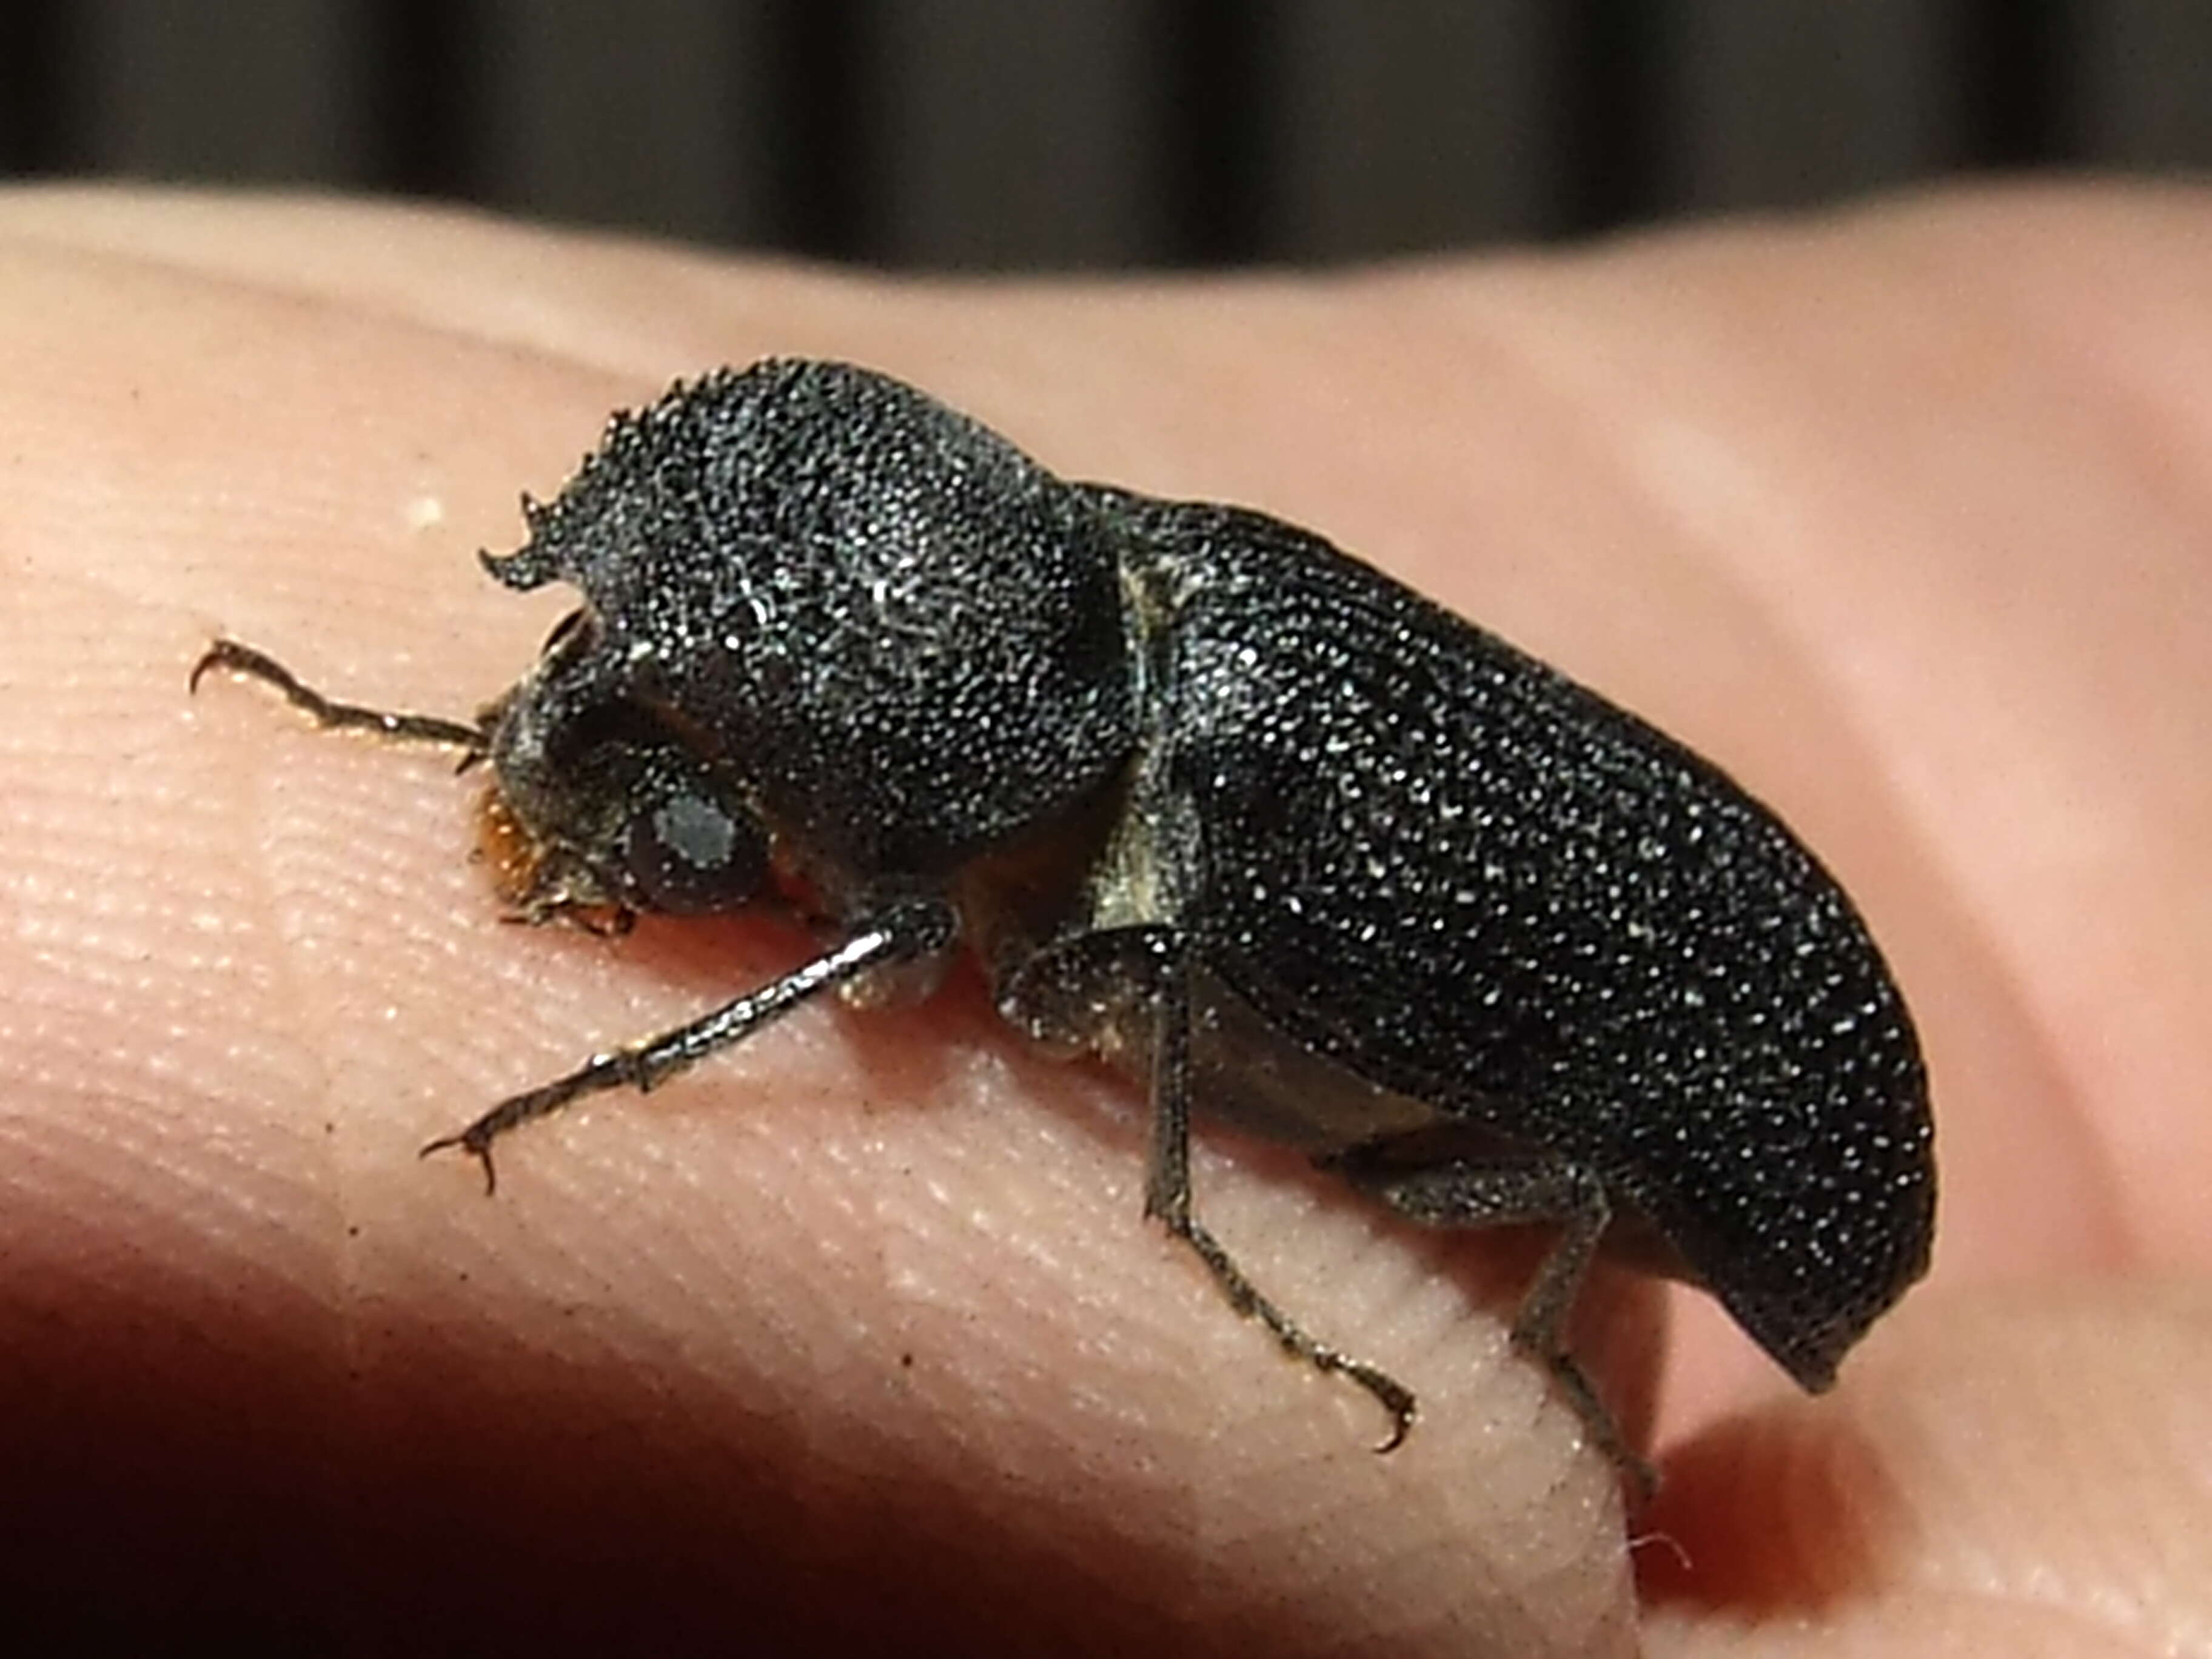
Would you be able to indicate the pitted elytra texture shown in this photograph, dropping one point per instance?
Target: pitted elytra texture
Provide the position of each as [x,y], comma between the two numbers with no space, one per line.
[1214,800]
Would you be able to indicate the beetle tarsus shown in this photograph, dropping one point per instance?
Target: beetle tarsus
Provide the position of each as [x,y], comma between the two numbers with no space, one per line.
[476,1146]
[601,1072]
[1604,1432]
[1395,1398]
[1402,1404]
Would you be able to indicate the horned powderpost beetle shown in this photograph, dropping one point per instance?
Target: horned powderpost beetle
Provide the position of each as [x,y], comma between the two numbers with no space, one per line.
[1213,799]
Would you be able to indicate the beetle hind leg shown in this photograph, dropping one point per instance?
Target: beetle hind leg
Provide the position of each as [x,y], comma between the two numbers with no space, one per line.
[1505,1191]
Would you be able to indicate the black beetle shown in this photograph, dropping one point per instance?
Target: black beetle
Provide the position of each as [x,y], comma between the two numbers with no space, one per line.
[1211,798]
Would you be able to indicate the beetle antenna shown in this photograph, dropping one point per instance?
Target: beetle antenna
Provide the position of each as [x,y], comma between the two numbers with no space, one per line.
[247,663]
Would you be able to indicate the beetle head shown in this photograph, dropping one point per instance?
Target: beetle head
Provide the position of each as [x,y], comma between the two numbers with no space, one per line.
[607,806]
[901,640]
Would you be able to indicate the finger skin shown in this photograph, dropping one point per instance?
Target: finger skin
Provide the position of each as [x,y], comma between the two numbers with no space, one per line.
[860,1331]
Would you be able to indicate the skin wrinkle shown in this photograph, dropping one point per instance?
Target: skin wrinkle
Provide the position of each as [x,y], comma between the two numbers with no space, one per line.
[2151,444]
[252,793]
[199,1177]
[512,305]
[81,226]
[216,280]
[343,1167]
[2155,426]
[2016,938]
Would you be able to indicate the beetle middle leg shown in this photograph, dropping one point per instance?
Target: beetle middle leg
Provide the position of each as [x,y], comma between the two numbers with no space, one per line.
[1167,1195]
[1504,1190]
[1084,990]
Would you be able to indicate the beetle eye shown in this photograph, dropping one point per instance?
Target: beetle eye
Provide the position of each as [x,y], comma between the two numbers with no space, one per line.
[687,855]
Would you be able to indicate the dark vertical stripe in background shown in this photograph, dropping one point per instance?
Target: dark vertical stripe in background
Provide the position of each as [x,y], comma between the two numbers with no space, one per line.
[821,128]
[420,72]
[1605,62]
[36,95]
[2010,64]
[974,134]
[1217,84]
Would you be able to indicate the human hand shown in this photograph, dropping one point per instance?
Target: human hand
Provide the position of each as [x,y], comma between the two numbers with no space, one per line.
[857,1332]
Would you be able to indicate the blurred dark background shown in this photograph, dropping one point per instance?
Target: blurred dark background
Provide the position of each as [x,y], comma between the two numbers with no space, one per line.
[1061,133]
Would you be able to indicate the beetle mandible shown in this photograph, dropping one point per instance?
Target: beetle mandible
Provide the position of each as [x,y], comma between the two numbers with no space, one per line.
[1211,798]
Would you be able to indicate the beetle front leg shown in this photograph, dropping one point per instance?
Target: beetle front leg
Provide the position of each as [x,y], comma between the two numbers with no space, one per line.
[918,928]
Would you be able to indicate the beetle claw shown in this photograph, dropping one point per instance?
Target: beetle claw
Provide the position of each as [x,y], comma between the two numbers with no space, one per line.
[476,1146]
